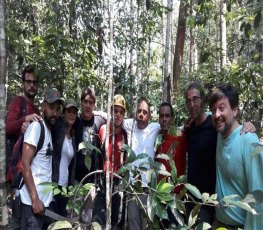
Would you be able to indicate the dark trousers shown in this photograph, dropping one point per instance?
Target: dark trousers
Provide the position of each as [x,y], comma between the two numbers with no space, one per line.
[31,221]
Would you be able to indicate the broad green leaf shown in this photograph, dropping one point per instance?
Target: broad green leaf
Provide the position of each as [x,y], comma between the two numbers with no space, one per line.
[164,188]
[150,207]
[173,170]
[193,216]
[161,211]
[163,156]
[244,206]
[203,226]
[131,158]
[205,197]
[62,224]
[193,190]
[158,141]
[88,161]
[257,20]
[153,180]
[88,186]
[179,218]
[56,191]
[164,173]
[82,146]
[165,197]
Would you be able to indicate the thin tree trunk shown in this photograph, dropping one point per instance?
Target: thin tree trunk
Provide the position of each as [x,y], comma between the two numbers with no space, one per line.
[223,42]
[166,81]
[179,46]
[108,179]
[3,197]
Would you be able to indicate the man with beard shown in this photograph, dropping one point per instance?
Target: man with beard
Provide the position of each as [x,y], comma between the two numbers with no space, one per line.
[37,166]
[238,172]
[201,147]
[21,110]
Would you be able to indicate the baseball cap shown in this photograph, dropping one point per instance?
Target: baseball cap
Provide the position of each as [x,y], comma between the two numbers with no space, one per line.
[51,95]
[70,103]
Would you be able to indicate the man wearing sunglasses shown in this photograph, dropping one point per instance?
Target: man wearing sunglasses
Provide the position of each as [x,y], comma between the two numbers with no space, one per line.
[37,166]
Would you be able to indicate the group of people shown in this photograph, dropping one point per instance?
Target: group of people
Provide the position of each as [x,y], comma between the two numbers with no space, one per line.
[218,148]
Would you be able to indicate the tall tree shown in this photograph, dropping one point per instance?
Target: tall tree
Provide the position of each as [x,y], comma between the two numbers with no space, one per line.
[166,78]
[179,45]
[3,206]
[223,31]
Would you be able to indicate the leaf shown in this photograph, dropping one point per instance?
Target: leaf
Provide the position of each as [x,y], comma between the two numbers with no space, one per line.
[164,187]
[248,30]
[164,197]
[163,156]
[243,25]
[150,207]
[193,216]
[205,197]
[62,224]
[158,141]
[153,180]
[82,146]
[142,156]
[173,171]
[257,19]
[255,197]
[88,161]
[203,226]
[244,206]
[164,173]
[193,190]
[56,191]
[179,218]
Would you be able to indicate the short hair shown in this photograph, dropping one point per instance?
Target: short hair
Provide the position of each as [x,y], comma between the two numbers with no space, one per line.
[224,90]
[196,85]
[88,91]
[28,69]
[169,105]
[146,101]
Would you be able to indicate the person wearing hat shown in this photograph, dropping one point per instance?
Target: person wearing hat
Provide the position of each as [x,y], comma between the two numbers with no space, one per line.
[37,166]
[116,158]
[64,159]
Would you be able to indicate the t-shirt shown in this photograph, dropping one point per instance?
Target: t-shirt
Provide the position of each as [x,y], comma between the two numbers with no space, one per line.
[67,154]
[41,165]
[201,148]
[120,139]
[141,141]
[238,172]
[179,154]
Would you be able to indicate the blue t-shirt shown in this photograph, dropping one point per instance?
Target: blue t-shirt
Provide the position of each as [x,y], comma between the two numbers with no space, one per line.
[238,172]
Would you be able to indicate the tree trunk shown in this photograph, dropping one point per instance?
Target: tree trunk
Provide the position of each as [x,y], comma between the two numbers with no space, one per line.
[192,49]
[223,42]
[108,177]
[166,78]
[179,46]
[3,197]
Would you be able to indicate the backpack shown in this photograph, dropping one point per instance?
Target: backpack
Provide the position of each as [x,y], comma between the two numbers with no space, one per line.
[14,168]
[10,142]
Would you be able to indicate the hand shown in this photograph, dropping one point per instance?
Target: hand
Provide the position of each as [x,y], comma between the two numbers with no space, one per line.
[24,126]
[38,207]
[33,117]
[248,127]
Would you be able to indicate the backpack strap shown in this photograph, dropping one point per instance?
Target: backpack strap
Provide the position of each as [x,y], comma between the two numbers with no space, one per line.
[41,137]
[22,106]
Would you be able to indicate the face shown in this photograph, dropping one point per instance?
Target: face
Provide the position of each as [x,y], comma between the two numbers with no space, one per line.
[30,85]
[142,115]
[194,103]
[223,116]
[118,115]
[165,118]
[87,107]
[70,115]
[51,112]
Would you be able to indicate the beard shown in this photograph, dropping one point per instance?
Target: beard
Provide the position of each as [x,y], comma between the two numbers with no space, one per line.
[30,93]
[50,121]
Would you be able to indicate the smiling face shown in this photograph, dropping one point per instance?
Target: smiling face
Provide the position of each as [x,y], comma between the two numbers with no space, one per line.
[224,117]
[143,115]
[194,103]
[87,107]
[165,118]
[51,112]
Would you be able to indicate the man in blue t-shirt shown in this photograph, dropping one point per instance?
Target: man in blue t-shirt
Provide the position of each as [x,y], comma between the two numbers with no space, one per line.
[237,171]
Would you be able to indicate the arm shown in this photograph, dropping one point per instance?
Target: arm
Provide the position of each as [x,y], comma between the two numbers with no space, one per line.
[28,154]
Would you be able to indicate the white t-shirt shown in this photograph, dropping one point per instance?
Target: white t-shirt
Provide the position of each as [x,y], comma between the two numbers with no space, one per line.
[141,141]
[67,153]
[41,165]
